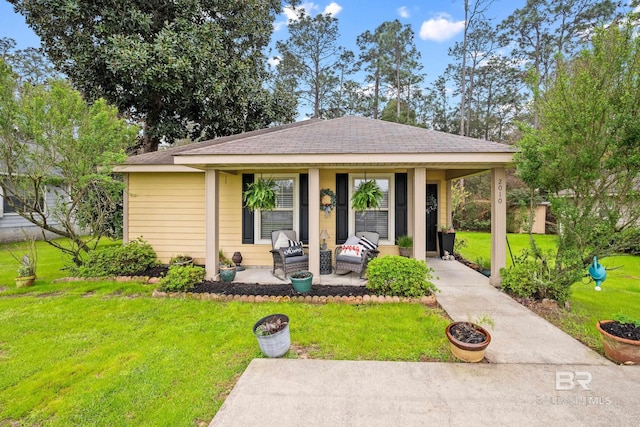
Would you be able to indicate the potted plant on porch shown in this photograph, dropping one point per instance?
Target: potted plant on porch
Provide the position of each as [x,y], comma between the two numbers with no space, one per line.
[227,268]
[446,239]
[301,280]
[405,246]
[260,195]
[621,339]
[368,195]
[468,339]
[273,334]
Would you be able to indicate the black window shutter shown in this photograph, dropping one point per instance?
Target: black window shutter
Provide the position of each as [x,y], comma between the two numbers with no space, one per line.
[342,208]
[304,208]
[247,215]
[401,208]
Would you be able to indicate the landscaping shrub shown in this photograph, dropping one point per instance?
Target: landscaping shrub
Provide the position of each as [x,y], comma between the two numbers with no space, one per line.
[533,277]
[399,276]
[125,260]
[181,278]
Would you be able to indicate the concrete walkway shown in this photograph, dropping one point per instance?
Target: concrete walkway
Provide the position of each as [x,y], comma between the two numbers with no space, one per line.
[537,375]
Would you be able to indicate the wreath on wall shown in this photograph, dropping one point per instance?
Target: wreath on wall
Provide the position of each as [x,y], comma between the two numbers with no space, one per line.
[327,207]
[432,203]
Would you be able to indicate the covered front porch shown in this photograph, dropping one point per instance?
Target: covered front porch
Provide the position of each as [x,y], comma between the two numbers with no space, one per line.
[189,199]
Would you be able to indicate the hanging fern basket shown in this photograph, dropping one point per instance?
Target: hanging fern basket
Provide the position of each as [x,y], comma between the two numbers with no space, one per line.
[260,195]
[368,195]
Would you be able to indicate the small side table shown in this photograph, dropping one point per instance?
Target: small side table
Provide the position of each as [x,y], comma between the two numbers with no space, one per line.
[325,262]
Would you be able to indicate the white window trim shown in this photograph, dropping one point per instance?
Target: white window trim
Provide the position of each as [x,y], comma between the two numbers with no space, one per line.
[296,210]
[392,204]
[45,190]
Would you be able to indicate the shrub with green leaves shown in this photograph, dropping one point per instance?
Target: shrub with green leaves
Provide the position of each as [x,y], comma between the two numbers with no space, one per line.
[182,278]
[128,259]
[400,276]
[535,277]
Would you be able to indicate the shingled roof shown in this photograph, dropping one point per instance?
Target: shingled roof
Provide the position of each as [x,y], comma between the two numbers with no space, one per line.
[345,135]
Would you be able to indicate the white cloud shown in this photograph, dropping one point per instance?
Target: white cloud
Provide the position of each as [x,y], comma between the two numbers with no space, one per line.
[403,12]
[310,9]
[274,61]
[332,9]
[440,28]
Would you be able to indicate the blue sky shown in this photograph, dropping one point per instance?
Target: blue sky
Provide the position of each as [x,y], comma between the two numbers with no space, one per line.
[436,23]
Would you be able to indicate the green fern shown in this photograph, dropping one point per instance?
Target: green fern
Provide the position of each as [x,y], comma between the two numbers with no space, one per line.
[260,195]
[368,195]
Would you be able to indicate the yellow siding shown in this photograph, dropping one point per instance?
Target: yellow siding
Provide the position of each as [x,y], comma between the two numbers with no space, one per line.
[167,210]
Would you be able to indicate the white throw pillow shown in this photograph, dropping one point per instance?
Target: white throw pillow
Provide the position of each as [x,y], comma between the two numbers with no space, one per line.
[281,242]
[352,250]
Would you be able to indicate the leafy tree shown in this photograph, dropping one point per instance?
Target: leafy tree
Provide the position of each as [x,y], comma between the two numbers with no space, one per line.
[179,67]
[400,60]
[54,145]
[586,153]
[474,29]
[311,55]
[543,28]
[370,60]
[29,64]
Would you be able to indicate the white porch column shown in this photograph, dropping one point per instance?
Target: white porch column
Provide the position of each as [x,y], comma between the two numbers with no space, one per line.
[211,186]
[498,224]
[449,204]
[419,213]
[314,223]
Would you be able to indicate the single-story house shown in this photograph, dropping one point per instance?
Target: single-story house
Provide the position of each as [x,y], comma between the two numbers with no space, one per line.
[188,199]
[13,227]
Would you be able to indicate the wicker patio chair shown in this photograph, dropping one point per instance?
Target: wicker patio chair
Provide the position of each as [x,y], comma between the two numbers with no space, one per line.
[289,264]
[357,264]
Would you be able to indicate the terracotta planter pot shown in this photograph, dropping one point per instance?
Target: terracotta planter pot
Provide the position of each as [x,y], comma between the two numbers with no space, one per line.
[618,349]
[468,352]
[24,281]
[406,252]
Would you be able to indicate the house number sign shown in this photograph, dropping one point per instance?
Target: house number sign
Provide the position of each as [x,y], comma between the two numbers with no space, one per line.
[500,185]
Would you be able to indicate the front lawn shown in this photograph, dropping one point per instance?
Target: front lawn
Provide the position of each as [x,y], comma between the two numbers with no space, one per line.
[106,353]
[620,292]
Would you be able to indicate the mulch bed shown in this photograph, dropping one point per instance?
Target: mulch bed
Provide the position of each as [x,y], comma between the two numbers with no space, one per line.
[255,289]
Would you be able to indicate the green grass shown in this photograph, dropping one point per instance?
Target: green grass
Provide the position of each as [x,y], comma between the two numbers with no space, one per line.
[106,353]
[479,244]
[620,292]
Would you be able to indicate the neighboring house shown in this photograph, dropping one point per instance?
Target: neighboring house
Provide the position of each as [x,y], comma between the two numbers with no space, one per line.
[188,199]
[13,226]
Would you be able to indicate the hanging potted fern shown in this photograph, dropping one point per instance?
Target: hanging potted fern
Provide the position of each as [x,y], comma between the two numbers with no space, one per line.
[260,195]
[368,195]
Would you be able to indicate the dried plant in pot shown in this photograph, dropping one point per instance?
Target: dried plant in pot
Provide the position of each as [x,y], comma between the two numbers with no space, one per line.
[273,335]
[621,339]
[468,339]
[28,261]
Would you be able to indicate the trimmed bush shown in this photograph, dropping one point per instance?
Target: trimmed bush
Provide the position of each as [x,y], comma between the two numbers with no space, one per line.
[399,276]
[124,260]
[181,278]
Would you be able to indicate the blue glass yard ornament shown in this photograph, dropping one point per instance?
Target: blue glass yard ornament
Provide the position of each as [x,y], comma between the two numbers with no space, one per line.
[597,272]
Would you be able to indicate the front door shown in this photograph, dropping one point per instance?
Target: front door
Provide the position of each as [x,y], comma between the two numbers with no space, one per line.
[432,217]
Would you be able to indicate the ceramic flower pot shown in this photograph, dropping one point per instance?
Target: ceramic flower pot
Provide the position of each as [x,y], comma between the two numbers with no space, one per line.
[301,281]
[227,274]
[24,281]
[467,351]
[618,349]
